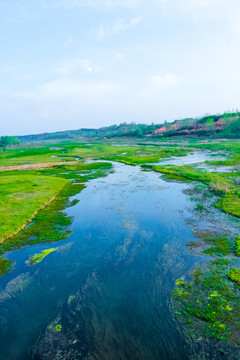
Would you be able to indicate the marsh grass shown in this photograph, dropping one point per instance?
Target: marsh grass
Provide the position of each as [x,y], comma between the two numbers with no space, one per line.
[222,184]
[130,155]
[230,146]
[213,299]
[229,149]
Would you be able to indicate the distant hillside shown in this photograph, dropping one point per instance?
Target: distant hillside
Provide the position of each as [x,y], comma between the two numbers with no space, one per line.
[132,130]
[226,125]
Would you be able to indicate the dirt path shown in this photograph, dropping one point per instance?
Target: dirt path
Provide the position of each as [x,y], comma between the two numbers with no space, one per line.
[37,166]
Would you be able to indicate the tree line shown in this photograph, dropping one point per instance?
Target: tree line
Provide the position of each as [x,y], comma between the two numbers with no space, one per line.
[8,140]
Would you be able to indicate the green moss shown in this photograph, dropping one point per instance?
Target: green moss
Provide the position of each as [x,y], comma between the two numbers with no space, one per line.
[222,246]
[223,263]
[230,204]
[234,275]
[58,328]
[197,275]
[212,300]
[237,243]
[199,207]
[5,266]
[37,258]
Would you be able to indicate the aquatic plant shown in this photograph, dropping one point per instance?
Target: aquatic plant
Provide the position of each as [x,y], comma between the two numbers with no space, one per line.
[237,243]
[234,275]
[37,258]
[5,266]
[58,328]
[196,275]
[199,207]
[222,246]
[211,299]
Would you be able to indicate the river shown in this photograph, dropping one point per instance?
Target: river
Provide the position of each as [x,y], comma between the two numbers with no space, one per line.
[108,285]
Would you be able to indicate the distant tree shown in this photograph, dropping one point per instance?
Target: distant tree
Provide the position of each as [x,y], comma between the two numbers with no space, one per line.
[8,140]
[210,122]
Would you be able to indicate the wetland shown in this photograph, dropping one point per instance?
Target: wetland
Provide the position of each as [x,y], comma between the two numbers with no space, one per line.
[132,252]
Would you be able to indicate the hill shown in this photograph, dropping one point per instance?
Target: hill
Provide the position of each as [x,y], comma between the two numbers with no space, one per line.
[226,125]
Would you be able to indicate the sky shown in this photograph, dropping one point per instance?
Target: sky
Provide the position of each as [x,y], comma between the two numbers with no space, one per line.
[70,64]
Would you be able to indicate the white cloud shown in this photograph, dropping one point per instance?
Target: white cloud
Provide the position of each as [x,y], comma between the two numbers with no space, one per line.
[72,66]
[114,27]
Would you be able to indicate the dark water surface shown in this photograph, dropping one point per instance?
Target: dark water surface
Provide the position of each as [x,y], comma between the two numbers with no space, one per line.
[109,284]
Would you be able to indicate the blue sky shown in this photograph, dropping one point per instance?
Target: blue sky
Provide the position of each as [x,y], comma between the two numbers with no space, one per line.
[67,64]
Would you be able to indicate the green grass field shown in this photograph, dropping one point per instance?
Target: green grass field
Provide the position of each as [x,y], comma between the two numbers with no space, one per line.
[32,155]
[23,195]
[130,155]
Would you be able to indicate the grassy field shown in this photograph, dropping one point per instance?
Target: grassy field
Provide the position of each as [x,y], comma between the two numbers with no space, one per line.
[32,155]
[23,195]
